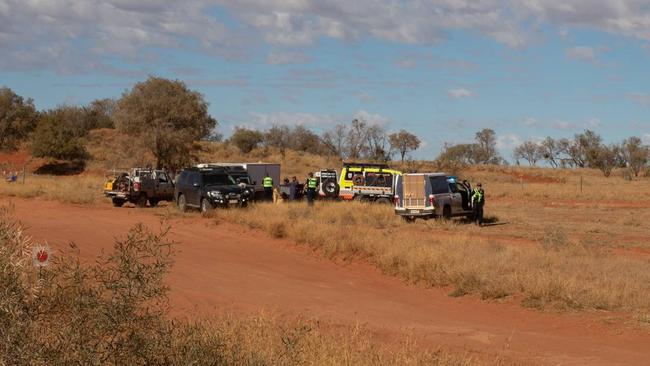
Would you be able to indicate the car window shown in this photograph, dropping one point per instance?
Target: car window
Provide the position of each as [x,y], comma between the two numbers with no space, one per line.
[221,179]
[439,185]
[162,178]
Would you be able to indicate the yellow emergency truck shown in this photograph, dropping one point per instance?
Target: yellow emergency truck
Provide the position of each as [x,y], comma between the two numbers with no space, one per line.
[368,182]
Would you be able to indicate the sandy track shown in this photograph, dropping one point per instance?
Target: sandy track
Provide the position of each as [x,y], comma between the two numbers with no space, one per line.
[230,266]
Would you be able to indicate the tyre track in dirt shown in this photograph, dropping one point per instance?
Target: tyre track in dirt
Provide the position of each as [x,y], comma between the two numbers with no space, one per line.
[228,266]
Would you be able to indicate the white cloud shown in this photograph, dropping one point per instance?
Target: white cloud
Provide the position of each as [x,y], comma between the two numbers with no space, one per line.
[372,119]
[646,138]
[508,141]
[316,121]
[266,120]
[640,98]
[365,97]
[530,121]
[460,93]
[82,35]
[581,53]
[406,63]
[280,58]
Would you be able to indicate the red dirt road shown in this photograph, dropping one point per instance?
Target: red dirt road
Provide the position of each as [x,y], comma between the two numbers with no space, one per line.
[224,265]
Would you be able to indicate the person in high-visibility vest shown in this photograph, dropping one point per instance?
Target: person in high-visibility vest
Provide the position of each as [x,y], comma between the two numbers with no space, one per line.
[478,200]
[268,187]
[312,184]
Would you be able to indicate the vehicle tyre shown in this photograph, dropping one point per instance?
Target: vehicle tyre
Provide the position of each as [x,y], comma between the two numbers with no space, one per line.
[118,202]
[358,198]
[331,189]
[408,219]
[182,204]
[142,201]
[446,212]
[153,202]
[206,206]
[383,201]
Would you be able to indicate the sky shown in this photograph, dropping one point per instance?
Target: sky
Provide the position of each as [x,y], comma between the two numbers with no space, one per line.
[441,69]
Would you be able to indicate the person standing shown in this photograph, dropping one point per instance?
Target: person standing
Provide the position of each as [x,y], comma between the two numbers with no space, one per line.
[311,183]
[478,201]
[268,187]
[293,188]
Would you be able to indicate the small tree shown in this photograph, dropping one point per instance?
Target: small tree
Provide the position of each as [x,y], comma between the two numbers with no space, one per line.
[246,140]
[18,118]
[486,147]
[58,138]
[279,137]
[550,151]
[606,158]
[334,140]
[634,154]
[99,114]
[529,151]
[167,117]
[404,142]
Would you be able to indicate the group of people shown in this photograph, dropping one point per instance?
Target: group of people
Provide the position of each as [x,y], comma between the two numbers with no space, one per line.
[309,188]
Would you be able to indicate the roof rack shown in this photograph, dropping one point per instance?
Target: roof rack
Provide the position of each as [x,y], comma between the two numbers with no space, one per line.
[365,165]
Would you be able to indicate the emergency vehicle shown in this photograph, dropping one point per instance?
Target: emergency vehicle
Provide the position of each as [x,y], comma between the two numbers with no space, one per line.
[368,182]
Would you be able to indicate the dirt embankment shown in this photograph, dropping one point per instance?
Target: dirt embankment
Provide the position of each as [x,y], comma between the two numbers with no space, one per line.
[224,265]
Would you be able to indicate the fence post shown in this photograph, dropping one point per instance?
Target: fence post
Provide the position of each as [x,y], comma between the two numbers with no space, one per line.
[580,183]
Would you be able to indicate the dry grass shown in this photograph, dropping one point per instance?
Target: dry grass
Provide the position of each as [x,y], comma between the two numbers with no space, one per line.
[83,189]
[560,274]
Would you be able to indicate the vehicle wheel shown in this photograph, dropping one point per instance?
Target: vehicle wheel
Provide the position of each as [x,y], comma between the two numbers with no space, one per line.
[142,201]
[153,202]
[358,198]
[408,219]
[446,213]
[118,202]
[331,189]
[182,205]
[206,206]
[383,201]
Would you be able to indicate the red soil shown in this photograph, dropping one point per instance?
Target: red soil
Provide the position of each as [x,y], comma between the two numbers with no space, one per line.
[227,266]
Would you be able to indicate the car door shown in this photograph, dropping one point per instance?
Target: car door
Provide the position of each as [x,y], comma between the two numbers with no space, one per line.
[456,199]
[164,186]
[192,193]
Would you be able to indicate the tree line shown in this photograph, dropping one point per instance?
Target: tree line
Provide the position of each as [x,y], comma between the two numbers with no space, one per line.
[168,118]
[586,150]
[356,140]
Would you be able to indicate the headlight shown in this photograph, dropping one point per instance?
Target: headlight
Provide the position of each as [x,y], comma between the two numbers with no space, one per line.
[215,194]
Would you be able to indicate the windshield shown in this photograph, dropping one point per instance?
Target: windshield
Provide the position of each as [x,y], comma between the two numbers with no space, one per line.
[218,179]
[241,177]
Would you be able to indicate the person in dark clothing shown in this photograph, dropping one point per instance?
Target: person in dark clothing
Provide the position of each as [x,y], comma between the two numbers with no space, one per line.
[478,201]
[293,188]
[312,184]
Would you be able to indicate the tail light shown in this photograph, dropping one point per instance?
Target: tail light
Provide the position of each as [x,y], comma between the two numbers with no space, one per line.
[136,186]
[432,200]
[396,200]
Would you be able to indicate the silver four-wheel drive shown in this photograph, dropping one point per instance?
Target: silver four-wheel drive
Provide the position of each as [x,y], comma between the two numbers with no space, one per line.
[430,195]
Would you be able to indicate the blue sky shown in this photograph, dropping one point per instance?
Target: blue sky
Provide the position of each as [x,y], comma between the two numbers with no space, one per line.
[442,69]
